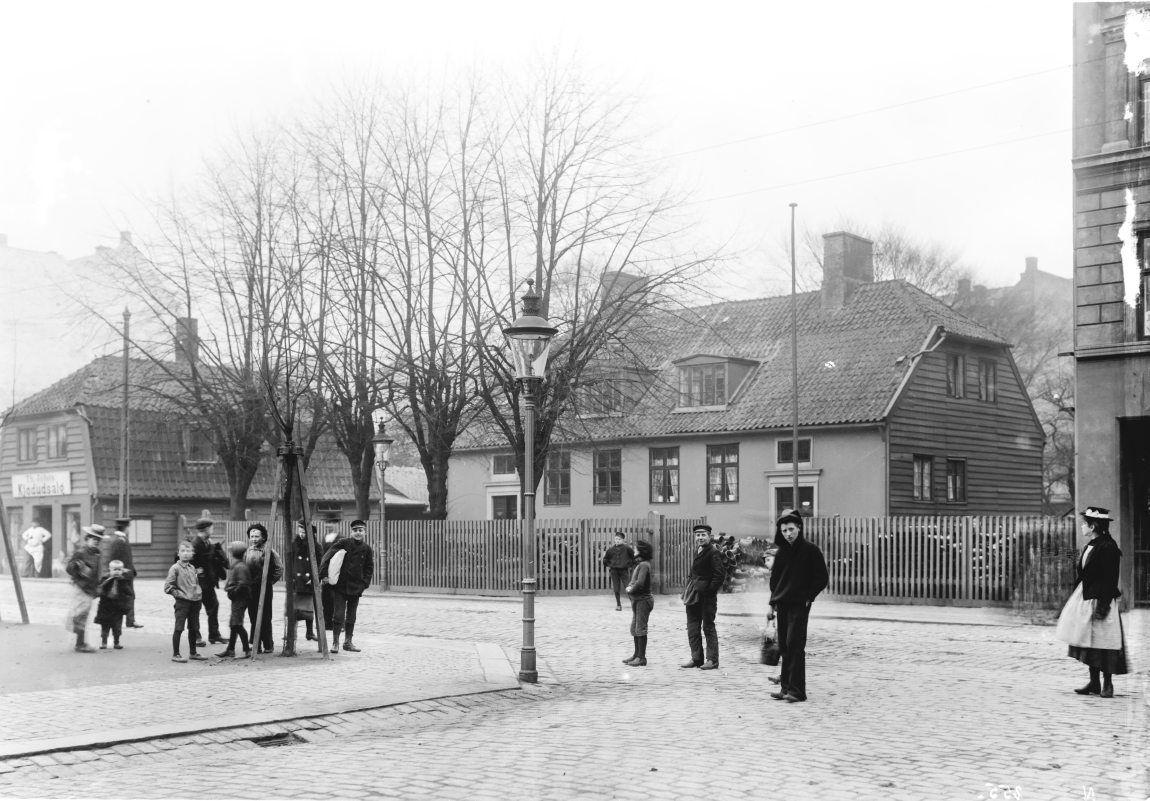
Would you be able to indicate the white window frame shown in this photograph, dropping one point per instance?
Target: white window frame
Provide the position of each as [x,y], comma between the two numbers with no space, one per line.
[140,531]
[786,482]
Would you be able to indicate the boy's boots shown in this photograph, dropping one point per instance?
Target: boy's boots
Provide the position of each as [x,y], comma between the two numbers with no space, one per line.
[348,645]
[335,641]
[308,619]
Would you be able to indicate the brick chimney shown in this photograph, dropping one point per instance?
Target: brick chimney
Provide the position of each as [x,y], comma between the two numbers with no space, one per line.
[848,261]
[187,340]
[618,284]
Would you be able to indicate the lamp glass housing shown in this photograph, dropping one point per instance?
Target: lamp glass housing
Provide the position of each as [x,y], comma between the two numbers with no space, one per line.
[530,347]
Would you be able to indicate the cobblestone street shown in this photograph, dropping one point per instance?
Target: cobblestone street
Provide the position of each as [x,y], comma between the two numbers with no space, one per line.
[905,702]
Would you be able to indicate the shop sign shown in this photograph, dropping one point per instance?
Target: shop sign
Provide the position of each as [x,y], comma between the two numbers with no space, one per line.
[40,485]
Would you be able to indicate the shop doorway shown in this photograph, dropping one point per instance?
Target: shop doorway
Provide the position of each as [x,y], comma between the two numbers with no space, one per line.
[1135,460]
[44,515]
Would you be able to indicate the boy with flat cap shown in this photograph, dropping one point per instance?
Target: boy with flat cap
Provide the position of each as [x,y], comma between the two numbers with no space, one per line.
[700,599]
[798,575]
[356,566]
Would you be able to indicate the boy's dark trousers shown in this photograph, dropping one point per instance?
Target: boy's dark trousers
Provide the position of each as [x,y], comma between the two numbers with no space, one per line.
[263,637]
[212,609]
[618,581]
[343,614]
[792,625]
[187,613]
[116,627]
[702,616]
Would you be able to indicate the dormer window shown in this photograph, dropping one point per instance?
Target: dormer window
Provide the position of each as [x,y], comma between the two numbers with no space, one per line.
[710,381]
[198,447]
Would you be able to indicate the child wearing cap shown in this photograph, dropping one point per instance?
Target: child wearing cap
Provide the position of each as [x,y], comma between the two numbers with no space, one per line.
[116,593]
[83,566]
[258,549]
[183,585]
[356,568]
[238,589]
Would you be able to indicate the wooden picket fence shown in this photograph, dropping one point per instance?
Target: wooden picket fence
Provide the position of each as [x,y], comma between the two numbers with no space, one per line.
[987,560]
[997,560]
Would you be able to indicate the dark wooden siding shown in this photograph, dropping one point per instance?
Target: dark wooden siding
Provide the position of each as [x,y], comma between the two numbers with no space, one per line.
[1001,442]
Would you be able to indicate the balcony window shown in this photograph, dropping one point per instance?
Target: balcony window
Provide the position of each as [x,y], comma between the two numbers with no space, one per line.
[557,478]
[607,477]
[923,477]
[664,475]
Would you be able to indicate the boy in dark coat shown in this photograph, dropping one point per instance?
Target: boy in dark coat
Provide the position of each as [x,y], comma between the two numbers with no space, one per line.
[116,546]
[700,599]
[618,559]
[84,568]
[116,593]
[211,566]
[798,575]
[355,575]
[238,589]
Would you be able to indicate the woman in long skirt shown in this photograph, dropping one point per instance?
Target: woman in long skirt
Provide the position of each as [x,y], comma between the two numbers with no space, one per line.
[1090,622]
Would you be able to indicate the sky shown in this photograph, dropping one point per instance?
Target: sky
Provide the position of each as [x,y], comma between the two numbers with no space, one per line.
[951,121]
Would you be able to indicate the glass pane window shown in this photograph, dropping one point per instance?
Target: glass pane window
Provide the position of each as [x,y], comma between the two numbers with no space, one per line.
[987,380]
[607,476]
[198,447]
[955,371]
[140,532]
[664,475]
[784,495]
[922,477]
[786,448]
[57,441]
[504,507]
[722,473]
[955,480]
[557,478]
[703,385]
[503,464]
[26,445]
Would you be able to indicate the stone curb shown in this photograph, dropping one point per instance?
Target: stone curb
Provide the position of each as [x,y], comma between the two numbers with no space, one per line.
[927,621]
[498,676]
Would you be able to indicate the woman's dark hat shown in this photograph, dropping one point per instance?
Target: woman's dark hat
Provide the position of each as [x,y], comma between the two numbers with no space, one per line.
[1096,513]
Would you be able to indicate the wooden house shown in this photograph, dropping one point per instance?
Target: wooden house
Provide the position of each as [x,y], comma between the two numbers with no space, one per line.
[905,407]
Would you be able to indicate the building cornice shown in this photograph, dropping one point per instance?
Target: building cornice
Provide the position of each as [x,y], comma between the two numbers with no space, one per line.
[1118,351]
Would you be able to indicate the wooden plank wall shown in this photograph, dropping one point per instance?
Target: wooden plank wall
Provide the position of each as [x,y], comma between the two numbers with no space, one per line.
[1000,441]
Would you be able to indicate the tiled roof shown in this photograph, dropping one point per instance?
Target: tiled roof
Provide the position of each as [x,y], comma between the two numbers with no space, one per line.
[101,383]
[847,363]
[158,468]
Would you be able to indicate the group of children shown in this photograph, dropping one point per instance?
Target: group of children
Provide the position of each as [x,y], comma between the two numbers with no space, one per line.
[345,572]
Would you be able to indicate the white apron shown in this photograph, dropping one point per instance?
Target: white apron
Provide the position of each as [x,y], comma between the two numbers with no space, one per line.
[1077,626]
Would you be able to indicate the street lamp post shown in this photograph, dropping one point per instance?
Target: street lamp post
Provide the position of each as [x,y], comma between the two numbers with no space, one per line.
[529,340]
[382,444]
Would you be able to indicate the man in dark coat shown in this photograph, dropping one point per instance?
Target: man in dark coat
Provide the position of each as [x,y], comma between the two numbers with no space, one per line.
[211,565]
[116,546]
[618,559]
[700,599]
[798,575]
[355,573]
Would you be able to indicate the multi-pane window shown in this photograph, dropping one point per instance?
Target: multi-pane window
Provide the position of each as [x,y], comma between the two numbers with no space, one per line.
[607,476]
[503,464]
[504,507]
[987,380]
[26,445]
[923,477]
[557,478]
[601,398]
[703,385]
[198,447]
[722,473]
[786,449]
[784,496]
[140,532]
[664,475]
[57,441]
[1144,102]
[956,480]
[955,371]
